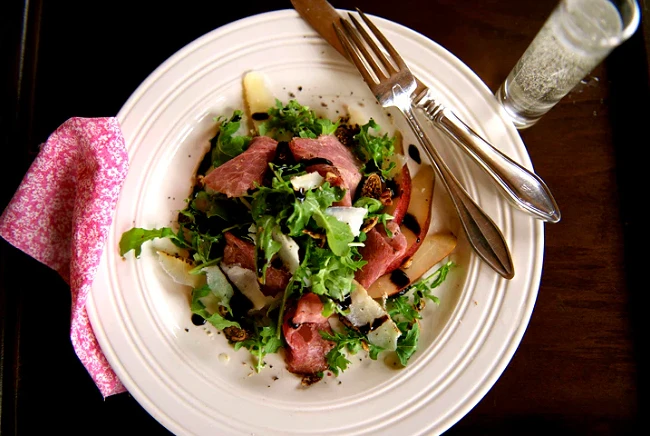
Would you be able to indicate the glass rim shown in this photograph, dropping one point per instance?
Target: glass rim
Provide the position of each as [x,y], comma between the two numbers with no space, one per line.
[633,20]
[630,14]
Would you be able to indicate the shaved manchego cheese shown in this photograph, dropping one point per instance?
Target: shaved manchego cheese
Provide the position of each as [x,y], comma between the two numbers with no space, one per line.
[246,281]
[365,312]
[179,268]
[352,216]
[307,181]
[289,250]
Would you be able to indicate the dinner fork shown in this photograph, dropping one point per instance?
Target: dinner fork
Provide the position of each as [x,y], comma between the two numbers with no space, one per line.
[393,85]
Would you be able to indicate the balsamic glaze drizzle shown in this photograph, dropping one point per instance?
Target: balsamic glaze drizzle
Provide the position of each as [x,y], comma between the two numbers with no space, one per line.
[316,161]
[376,323]
[399,278]
[415,153]
[260,116]
[197,319]
[411,223]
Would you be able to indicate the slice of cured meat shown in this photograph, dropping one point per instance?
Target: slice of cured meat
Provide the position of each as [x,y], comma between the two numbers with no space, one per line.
[246,171]
[380,251]
[242,253]
[309,309]
[306,348]
[329,148]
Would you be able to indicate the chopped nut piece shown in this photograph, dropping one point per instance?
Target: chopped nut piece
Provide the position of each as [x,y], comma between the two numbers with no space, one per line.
[331,177]
[346,322]
[223,311]
[235,334]
[310,379]
[369,224]
[319,236]
[407,263]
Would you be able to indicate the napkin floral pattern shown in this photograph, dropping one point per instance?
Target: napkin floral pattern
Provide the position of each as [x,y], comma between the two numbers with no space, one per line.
[61,214]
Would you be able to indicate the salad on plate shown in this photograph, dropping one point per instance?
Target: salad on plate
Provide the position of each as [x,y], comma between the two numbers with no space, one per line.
[306,236]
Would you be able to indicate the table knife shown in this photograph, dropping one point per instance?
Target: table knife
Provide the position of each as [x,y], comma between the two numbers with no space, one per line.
[520,187]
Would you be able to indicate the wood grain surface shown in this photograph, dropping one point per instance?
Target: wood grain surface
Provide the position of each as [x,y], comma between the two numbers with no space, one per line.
[580,368]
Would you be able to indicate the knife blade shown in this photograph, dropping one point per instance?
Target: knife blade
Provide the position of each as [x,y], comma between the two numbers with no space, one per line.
[322,16]
[522,188]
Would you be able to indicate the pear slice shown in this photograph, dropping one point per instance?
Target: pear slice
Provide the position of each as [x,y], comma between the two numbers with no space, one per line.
[400,205]
[417,219]
[258,97]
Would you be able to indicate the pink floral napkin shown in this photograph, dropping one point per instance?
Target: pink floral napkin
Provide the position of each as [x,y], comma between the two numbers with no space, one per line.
[61,214]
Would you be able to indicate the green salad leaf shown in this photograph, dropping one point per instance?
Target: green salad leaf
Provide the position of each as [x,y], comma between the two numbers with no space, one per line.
[348,341]
[262,342]
[405,308]
[294,119]
[375,210]
[265,242]
[407,344]
[375,151]
[198,307]
[330,274]
[423,289]
[134,238]
[226,144]
[212,205]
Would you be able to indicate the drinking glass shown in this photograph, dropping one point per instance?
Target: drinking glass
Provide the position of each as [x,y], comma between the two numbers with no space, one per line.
[575,38]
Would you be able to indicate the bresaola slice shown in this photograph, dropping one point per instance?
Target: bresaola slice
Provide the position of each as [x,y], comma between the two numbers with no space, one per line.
[380,251]
[308,309]
[329,148]
[246,171]
[242,253]
[306,348]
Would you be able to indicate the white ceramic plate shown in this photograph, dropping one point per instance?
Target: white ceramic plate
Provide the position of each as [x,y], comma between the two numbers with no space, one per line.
[188,377]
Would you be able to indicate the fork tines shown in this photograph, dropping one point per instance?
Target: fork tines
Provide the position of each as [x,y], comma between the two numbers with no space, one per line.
[367,51]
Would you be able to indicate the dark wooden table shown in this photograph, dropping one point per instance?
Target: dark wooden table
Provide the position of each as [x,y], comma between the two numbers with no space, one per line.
[580,368]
